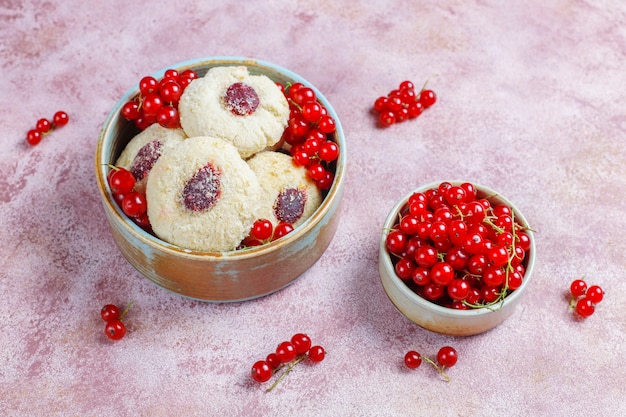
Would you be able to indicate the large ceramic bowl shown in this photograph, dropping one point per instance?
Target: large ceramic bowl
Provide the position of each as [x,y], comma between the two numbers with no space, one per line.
[439,318]
[219,276]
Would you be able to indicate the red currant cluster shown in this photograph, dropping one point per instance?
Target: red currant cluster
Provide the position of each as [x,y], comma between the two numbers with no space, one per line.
[111,314]
[133,203]
[288,354]
[457,249]
[403,103]
[45,126]
[262,232]
[446,358]
[307,133]
[158,100]
[584,299]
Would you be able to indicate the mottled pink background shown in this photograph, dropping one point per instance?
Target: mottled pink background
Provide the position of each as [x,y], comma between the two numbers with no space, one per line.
[531,102]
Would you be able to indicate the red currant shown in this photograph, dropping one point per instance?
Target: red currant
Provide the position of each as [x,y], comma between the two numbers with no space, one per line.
[115,329]
[317,354]
[43,126]
[447,356]
[412,359]
[282,229]
[595,294]
[121,181]
[286,352]
[261,371]
[301,342]
[33,137]
[262,229]
[134,204]
[60,118]
[578,288]
[427,98]
[585,307]
[110,312]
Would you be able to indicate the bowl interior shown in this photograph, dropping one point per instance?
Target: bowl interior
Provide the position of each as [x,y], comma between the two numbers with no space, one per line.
[117,132]
[440,310]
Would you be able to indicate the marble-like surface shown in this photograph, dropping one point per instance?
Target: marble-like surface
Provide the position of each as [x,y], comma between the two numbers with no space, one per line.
[530,102]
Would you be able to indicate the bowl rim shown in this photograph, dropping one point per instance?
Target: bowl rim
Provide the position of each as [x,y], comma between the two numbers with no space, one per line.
[385,258]
[104,145]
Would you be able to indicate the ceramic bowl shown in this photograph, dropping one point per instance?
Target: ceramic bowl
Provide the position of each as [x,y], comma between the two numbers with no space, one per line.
[438,318]
[219,276]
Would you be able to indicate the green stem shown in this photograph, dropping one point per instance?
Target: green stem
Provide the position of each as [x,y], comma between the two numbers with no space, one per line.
[439,369]
[289,368]
[126,310]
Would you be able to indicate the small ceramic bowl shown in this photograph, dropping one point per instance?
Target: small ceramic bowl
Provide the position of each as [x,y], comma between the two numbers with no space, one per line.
[220,276]
[438,318]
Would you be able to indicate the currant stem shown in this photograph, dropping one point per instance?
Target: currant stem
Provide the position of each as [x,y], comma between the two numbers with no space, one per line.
[289,368]
[439,369]
[126,310]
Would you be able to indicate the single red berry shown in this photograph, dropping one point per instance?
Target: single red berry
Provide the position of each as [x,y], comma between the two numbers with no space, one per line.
[328,151]
[60,118]
[301,342]
[115,329]
[33,137]
[110,312]
[148,85]
[169,117]
[170,91]
[412,359]
[326,182]
[282,229]
[171,73]
[312,111]
[262,229]
[327,124]
[595,294]
[585,307]
[261,371]
[578,288]
[447,356]
[427,98]
[286,352]
[317,354]
[121,181]
[43,126]
[152,103]
[130,110]
[134,204]
[273,361]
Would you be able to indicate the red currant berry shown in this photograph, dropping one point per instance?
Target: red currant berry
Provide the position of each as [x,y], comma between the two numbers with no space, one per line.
[33,137]
[328,151]
[301,342]
[427,98]
[396,242]
[311,111]
[387,118]
[170,91]
[327,124]
[326,182]
[578,288]
[262,229]
[282,229]
[110,312]
[169,117]
[286,352]
[412,359]
[406,85]
[152,103]
[115,329]
[441,273]
[148,85]
[380,104]
[585,307]
[595,294]
[316,171]
[261,371]
[447,356]
[121,181]
[273,361]
[130,110]
[134,204]
[317,354]
[60,118]
[458,289]
[404,269]
[171,73]
[43,126]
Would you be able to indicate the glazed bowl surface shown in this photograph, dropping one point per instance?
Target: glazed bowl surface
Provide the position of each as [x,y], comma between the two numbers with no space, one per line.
[219,276]
[439,318]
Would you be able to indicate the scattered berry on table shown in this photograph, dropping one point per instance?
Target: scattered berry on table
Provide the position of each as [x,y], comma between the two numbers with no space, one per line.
[115,329]
[44,127]
[402,104]
[286,356]
[583,299]
[447,357]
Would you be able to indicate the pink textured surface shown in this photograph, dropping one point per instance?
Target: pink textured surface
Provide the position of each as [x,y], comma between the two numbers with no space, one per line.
[531,103]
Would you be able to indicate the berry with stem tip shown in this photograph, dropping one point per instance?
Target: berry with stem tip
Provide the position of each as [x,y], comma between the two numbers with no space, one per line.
[412,359]
[110,312]
[595,294]
[261,371]
[114,328]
